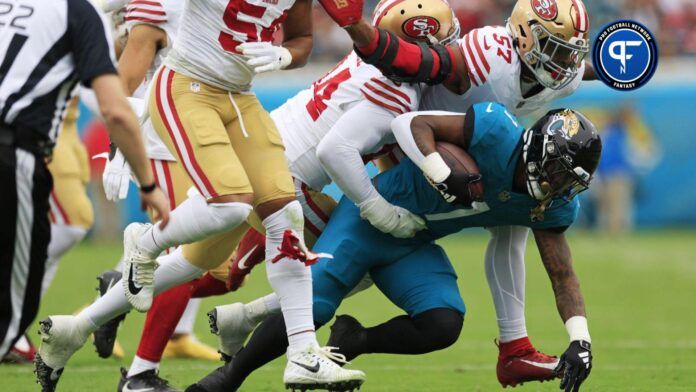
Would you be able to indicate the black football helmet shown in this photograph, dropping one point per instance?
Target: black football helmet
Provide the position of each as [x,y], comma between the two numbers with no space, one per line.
[561,152]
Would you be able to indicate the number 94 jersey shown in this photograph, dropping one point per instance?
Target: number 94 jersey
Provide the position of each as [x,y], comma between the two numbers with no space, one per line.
[211,30]
[494,73]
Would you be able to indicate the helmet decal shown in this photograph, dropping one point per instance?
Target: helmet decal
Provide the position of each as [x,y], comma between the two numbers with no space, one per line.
[545,9]
[565,124]
[581,21]
[420,26]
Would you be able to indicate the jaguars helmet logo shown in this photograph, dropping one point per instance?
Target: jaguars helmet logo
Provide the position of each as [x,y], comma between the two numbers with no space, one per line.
[566,124]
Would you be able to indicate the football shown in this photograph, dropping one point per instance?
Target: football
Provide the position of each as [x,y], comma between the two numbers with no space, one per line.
[460,161]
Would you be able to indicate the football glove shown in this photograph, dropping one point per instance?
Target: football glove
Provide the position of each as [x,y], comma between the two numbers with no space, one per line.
[575,365]
[264,56]
[116,177]
[343,12]
[456,188]
[391,219]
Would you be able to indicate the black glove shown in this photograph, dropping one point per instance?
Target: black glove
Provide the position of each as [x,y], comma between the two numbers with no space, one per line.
[458,186]
[575,365]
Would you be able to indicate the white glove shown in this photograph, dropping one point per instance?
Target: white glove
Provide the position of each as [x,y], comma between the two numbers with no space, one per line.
[391,219]
[264,56]
[116,177]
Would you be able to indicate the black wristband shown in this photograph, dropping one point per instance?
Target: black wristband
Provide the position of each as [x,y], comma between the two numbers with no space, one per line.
[148,188]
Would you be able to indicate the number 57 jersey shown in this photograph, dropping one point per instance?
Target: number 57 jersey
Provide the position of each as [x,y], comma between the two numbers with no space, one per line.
[211,31]
[494,69]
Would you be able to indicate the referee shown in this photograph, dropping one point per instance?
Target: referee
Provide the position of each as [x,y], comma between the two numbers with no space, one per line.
[46,49]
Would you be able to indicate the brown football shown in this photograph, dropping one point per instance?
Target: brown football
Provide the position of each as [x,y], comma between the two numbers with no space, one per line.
[460,161]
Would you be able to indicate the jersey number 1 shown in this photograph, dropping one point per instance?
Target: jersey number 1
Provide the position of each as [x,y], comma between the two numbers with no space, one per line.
[246,31]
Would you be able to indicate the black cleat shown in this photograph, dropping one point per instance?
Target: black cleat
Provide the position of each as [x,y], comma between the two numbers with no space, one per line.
[148,381]
[105,336]
[219,380]
[348,336]
[46,376]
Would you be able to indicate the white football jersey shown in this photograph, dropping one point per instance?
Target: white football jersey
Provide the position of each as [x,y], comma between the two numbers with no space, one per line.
[494,71]
[165,15]
[209,35]
[307,117]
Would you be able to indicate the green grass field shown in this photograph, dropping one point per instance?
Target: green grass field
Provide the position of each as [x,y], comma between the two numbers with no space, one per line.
[640,293]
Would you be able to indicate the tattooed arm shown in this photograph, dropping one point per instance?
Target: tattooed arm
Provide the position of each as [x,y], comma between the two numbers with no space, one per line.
[555,254]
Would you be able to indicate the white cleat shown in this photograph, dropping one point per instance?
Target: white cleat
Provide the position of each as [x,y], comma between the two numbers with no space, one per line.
[61,336]
[232,327]
[138,268]
[316,368]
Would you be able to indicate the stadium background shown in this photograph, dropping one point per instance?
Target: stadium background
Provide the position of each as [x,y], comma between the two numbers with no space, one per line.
[639,285]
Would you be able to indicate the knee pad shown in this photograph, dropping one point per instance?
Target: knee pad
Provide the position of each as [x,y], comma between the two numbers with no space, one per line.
[441,326]
[229,215]
[288,217]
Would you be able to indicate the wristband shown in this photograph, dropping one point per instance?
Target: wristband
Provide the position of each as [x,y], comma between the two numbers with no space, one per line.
[435,167]
[148,188]
[577,329]
[285,58]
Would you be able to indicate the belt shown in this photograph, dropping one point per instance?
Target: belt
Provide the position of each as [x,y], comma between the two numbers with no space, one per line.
[10,137]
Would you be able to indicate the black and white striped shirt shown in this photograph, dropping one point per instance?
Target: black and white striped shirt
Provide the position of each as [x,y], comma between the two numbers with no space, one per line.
[46,48]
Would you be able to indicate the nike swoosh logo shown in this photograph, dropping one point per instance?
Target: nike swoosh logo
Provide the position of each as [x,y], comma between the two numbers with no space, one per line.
[550,366]
[242,262]
[485,43]
[126,388]
[132,287]
[489,109]
[312,369]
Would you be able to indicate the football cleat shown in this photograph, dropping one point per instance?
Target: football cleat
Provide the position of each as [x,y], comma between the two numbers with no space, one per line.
[250,252]
[219,380]
[61,336]
[187,346]
[105,335]
[346,333]
[316,368]
[138,268]
[232,327]
[523,365]
[23,352]
[147,381]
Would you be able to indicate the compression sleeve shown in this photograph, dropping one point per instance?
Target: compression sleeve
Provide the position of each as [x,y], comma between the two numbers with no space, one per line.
[360,131]
[411,62]
[401,127]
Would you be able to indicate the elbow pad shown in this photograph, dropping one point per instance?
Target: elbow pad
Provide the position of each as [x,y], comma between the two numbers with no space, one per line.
[397,59]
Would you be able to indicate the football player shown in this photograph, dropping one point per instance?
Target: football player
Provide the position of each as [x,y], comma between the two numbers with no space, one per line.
[536,58]
[70,213]
[201,107]
[527,177]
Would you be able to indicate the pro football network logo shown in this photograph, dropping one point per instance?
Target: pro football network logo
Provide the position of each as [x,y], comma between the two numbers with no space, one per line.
[421,26]
[625,55]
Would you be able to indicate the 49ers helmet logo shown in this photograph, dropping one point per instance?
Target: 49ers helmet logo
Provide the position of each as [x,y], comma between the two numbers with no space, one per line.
[545,9]
[420,26]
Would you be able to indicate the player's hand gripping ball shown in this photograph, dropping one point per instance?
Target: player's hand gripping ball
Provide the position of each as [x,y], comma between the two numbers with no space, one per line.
[464,185]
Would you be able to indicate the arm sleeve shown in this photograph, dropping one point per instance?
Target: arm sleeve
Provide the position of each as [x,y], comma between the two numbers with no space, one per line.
[91,42]
[150,13]
[360,131]
[401,127]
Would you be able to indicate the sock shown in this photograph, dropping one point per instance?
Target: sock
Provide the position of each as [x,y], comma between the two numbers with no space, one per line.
[208,286]
[161,321]
[505,273]
[173,270]
[63,238]
[188,318]
[515,347]
[140,365]
[193,220]
[290,279]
